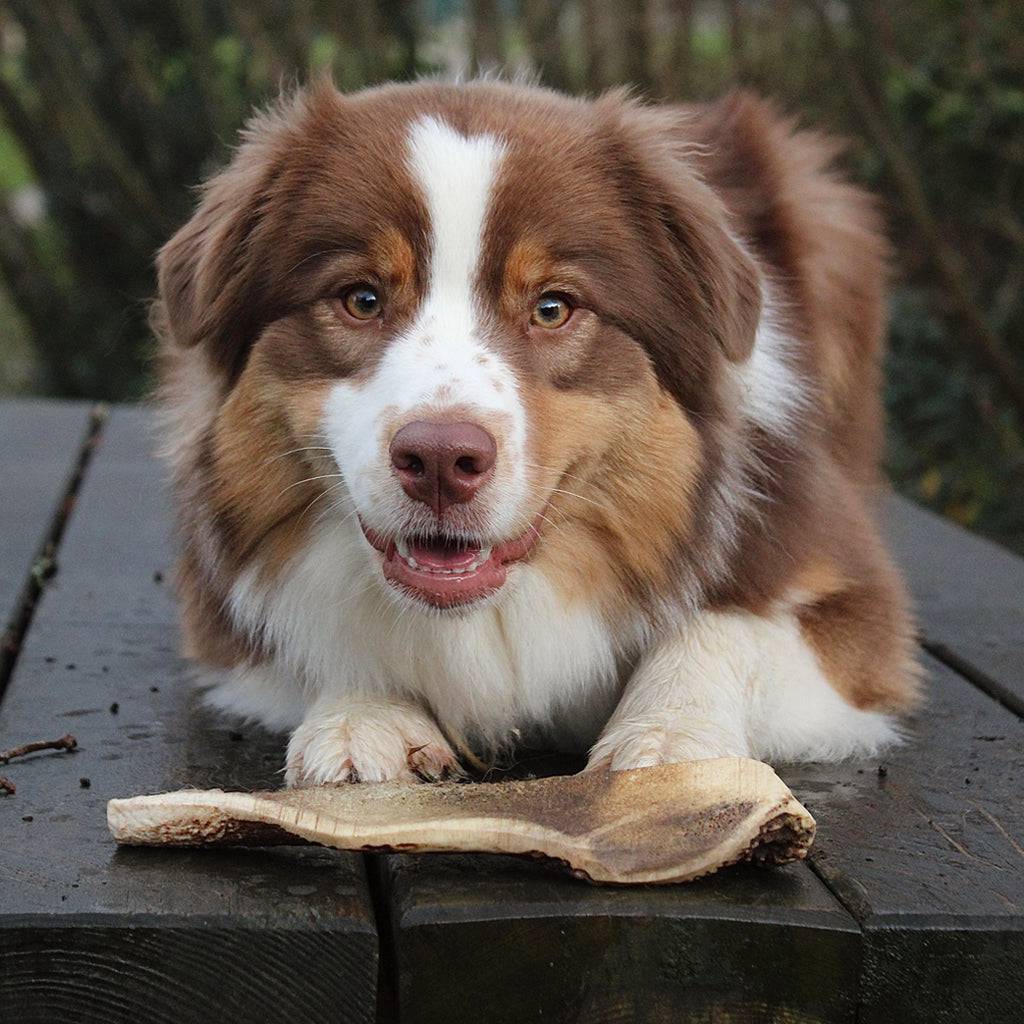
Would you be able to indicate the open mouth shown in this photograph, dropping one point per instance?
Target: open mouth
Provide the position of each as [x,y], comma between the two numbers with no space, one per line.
[446,573]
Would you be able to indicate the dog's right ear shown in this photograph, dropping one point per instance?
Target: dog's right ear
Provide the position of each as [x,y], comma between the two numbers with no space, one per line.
[210,273]
[204,272]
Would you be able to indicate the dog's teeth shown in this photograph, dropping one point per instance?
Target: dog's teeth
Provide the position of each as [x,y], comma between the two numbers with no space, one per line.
[482,556]
[402,547]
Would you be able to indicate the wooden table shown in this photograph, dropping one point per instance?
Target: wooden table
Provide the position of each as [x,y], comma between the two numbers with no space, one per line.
[911,907]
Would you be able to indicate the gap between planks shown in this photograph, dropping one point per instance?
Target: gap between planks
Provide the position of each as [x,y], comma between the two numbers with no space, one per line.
[378,881]
[44,561]
[978,679]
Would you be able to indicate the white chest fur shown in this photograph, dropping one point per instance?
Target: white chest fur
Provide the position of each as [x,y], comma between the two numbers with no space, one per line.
[530,662]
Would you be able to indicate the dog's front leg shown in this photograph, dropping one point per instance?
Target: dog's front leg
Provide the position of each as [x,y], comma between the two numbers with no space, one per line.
[364,740]
[733,684]
[687,699]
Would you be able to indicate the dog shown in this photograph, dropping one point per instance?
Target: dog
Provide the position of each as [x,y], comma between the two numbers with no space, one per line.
[499,417]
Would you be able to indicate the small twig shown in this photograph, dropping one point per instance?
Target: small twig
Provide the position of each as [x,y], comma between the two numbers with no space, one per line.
[6,786]
[66,742]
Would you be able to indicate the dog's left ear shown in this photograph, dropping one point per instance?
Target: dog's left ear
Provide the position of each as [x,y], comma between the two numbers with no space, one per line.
[718,283]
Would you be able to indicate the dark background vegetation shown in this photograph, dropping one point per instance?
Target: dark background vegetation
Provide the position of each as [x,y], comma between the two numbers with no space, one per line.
[111,109]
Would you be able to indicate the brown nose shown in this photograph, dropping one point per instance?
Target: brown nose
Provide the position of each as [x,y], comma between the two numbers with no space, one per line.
[442,464]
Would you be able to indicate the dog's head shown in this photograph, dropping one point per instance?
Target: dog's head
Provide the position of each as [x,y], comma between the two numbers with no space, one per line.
[485,322]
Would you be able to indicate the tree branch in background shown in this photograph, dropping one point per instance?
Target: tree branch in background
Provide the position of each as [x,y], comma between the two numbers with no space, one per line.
[636,44]
[952,274]
[369,42]
[114,32]
[294,26]
[595,45]
[115,46]
[401,21]
[28,131]
[247,19]
[486,35]
[28,281]
[873,44]
[194,27]
[542,27]
[105,144]
[677,70]
[736,23]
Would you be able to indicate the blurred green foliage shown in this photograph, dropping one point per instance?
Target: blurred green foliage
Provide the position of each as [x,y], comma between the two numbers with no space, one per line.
[110,110]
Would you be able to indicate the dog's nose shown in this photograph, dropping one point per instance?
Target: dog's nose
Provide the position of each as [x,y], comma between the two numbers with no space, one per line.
[442,464]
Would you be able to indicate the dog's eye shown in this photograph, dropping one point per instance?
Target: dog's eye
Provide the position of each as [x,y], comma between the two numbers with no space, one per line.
[550,311]
[362,302]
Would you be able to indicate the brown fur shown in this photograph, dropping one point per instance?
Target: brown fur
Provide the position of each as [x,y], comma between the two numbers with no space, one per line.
[823,239]
[662,224]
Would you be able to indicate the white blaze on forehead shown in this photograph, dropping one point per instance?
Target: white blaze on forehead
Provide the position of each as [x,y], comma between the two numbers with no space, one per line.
[442,360]
[456,174]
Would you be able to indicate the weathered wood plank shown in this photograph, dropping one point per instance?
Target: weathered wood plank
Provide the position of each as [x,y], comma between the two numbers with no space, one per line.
[92,933]
[927,850]
[969,595]
[931,870]
[40,446]
[526,944]
[935,881]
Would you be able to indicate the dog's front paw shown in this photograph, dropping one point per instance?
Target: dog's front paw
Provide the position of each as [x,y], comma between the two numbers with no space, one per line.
[648,743]
[369,742]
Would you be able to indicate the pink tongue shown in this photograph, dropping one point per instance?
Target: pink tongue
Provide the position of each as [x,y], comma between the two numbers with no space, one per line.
[443,558]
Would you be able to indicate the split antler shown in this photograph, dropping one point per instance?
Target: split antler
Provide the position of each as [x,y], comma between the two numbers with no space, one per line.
[667,824]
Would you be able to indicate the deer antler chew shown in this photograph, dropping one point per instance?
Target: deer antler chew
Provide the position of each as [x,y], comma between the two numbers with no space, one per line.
[666,824]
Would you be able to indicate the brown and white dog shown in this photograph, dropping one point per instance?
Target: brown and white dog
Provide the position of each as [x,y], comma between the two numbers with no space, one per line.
[497,415]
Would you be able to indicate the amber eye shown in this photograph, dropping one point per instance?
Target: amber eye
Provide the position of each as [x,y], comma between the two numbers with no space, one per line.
[362,302]
[550,311]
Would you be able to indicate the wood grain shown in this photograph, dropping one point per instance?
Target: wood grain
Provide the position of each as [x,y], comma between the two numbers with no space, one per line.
[89,932]
[926,849]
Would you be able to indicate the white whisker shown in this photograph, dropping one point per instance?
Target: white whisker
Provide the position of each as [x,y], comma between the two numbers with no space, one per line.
[295,451]
[309,480]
